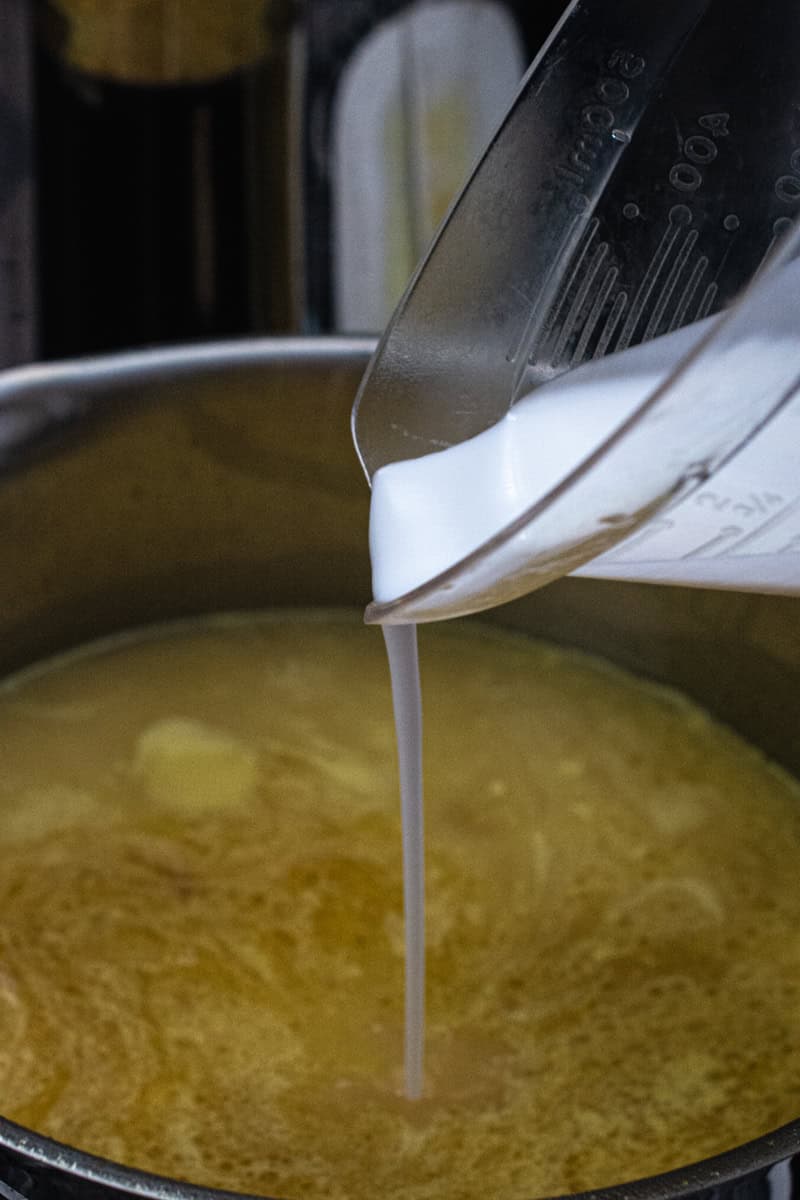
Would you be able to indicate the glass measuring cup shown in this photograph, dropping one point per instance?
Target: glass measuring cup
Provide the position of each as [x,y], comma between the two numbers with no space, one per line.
[642,176]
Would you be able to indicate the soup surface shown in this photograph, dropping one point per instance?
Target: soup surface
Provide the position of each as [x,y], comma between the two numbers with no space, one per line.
[201,931]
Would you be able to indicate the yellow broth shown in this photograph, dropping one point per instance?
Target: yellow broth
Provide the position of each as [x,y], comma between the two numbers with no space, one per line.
[201,942]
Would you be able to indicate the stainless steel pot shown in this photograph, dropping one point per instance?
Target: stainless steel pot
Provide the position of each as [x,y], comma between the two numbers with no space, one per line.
[176,482]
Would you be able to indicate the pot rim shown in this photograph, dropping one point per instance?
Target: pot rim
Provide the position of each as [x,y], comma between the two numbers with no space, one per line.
[758,1155]
[42,403]
[125,368]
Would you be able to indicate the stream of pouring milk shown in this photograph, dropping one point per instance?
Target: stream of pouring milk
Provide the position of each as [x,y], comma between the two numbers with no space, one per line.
[428,513]
[401,648]
[425,515]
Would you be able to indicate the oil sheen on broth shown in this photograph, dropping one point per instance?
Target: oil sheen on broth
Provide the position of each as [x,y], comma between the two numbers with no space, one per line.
[201,942]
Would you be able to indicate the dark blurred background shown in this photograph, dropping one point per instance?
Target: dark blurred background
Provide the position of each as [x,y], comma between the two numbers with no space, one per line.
[175,170]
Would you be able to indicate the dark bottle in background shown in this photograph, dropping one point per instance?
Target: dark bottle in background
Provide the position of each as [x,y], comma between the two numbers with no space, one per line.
[18,292]
[161,166]
[199,169]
